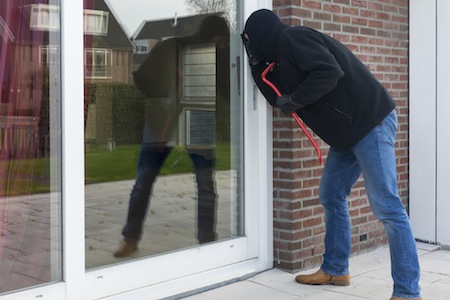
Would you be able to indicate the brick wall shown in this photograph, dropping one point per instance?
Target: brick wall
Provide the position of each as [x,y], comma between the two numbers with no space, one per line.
[377,32]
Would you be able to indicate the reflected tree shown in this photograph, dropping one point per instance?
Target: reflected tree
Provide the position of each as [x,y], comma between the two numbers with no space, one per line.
[208,6]
[227,7]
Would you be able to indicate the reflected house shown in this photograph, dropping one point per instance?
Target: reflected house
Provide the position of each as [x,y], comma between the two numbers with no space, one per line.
[25,57]
[150,33]
[29,31]
[108,49]
[202,83]
[110,96]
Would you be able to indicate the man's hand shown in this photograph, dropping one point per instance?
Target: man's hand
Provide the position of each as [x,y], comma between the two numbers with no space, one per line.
[251,58]
[286,104]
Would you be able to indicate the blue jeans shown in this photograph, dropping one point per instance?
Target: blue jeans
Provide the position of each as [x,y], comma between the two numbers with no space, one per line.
[151,160]
[374,156]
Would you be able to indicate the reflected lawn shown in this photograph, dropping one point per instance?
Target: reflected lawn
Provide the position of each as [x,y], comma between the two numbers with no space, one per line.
[32,176]
[103,165]
[24,176]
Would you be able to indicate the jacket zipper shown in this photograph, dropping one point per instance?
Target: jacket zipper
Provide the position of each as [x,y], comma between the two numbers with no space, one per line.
[348,117]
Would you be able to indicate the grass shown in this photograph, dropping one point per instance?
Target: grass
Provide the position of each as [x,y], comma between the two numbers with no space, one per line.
[32,176]
[103,165]
[24,176]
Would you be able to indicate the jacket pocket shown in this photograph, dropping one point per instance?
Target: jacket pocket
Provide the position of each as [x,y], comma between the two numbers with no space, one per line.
[341,113]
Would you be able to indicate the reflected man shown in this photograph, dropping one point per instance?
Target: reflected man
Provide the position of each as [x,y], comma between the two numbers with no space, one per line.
[158,78]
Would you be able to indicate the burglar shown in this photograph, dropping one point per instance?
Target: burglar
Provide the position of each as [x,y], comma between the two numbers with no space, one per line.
[343,103]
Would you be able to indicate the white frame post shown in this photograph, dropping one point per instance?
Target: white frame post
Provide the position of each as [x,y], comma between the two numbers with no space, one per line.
[72,48]
[422,119]
[259,113]
[443,123]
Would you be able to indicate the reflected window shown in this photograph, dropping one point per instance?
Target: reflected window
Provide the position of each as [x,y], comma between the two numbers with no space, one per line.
[30,145]
[199,77]
[49,54]
[44,17]
[142,47]
[98,63]
[96,22]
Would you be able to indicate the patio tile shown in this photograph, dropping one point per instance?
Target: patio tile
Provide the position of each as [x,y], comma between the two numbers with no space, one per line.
[245,290]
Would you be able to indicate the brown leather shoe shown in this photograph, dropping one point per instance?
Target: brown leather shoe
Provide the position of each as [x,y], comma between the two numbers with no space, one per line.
[397,298]
[126,248]
[322,278]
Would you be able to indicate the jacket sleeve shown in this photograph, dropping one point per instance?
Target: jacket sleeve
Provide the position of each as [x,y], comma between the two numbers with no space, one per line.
[267,91]
[306,50]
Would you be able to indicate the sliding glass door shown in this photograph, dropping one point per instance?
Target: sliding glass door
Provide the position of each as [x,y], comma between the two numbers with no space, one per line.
[135,153]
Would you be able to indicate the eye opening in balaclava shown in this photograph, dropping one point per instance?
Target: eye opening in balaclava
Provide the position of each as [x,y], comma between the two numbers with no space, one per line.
[257,27]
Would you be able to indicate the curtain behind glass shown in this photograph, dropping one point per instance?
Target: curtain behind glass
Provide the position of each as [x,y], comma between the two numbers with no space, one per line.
[29,143]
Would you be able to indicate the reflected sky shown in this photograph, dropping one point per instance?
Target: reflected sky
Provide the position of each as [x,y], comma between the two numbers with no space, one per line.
[131,13]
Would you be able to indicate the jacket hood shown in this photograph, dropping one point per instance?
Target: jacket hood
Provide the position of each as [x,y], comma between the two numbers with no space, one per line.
[259,26]
[270,47]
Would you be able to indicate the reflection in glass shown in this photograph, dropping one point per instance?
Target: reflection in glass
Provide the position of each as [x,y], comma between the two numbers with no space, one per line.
[30,200]
[163,127]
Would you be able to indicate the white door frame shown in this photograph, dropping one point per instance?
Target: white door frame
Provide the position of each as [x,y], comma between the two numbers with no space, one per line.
[422,119]
[196,268]
[443,123]
[429,124]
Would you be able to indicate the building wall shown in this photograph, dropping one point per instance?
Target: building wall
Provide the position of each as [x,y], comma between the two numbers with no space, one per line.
[377,32]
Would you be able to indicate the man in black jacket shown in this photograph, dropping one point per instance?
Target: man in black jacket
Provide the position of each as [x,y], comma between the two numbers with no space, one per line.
[343,103]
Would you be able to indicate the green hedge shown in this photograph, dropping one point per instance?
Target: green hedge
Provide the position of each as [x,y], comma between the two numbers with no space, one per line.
[120,112]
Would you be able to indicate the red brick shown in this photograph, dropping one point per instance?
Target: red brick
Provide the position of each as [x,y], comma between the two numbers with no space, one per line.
[312,242]
[332,8]
[312,4]
[312,222]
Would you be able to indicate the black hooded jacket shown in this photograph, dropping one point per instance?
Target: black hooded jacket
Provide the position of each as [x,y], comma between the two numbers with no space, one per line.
[340,100]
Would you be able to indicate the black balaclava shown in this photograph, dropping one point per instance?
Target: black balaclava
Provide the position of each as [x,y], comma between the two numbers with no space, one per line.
[257,27]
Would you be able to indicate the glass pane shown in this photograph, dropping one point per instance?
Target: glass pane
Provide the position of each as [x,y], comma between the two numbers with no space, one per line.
[164,165]
[30,159]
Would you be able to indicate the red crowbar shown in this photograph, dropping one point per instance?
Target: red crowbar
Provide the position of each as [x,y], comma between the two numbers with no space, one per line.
[294,115]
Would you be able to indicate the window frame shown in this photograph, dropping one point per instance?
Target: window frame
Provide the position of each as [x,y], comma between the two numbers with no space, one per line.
[95,22]
[98,69]
[38,21]
[48,52]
